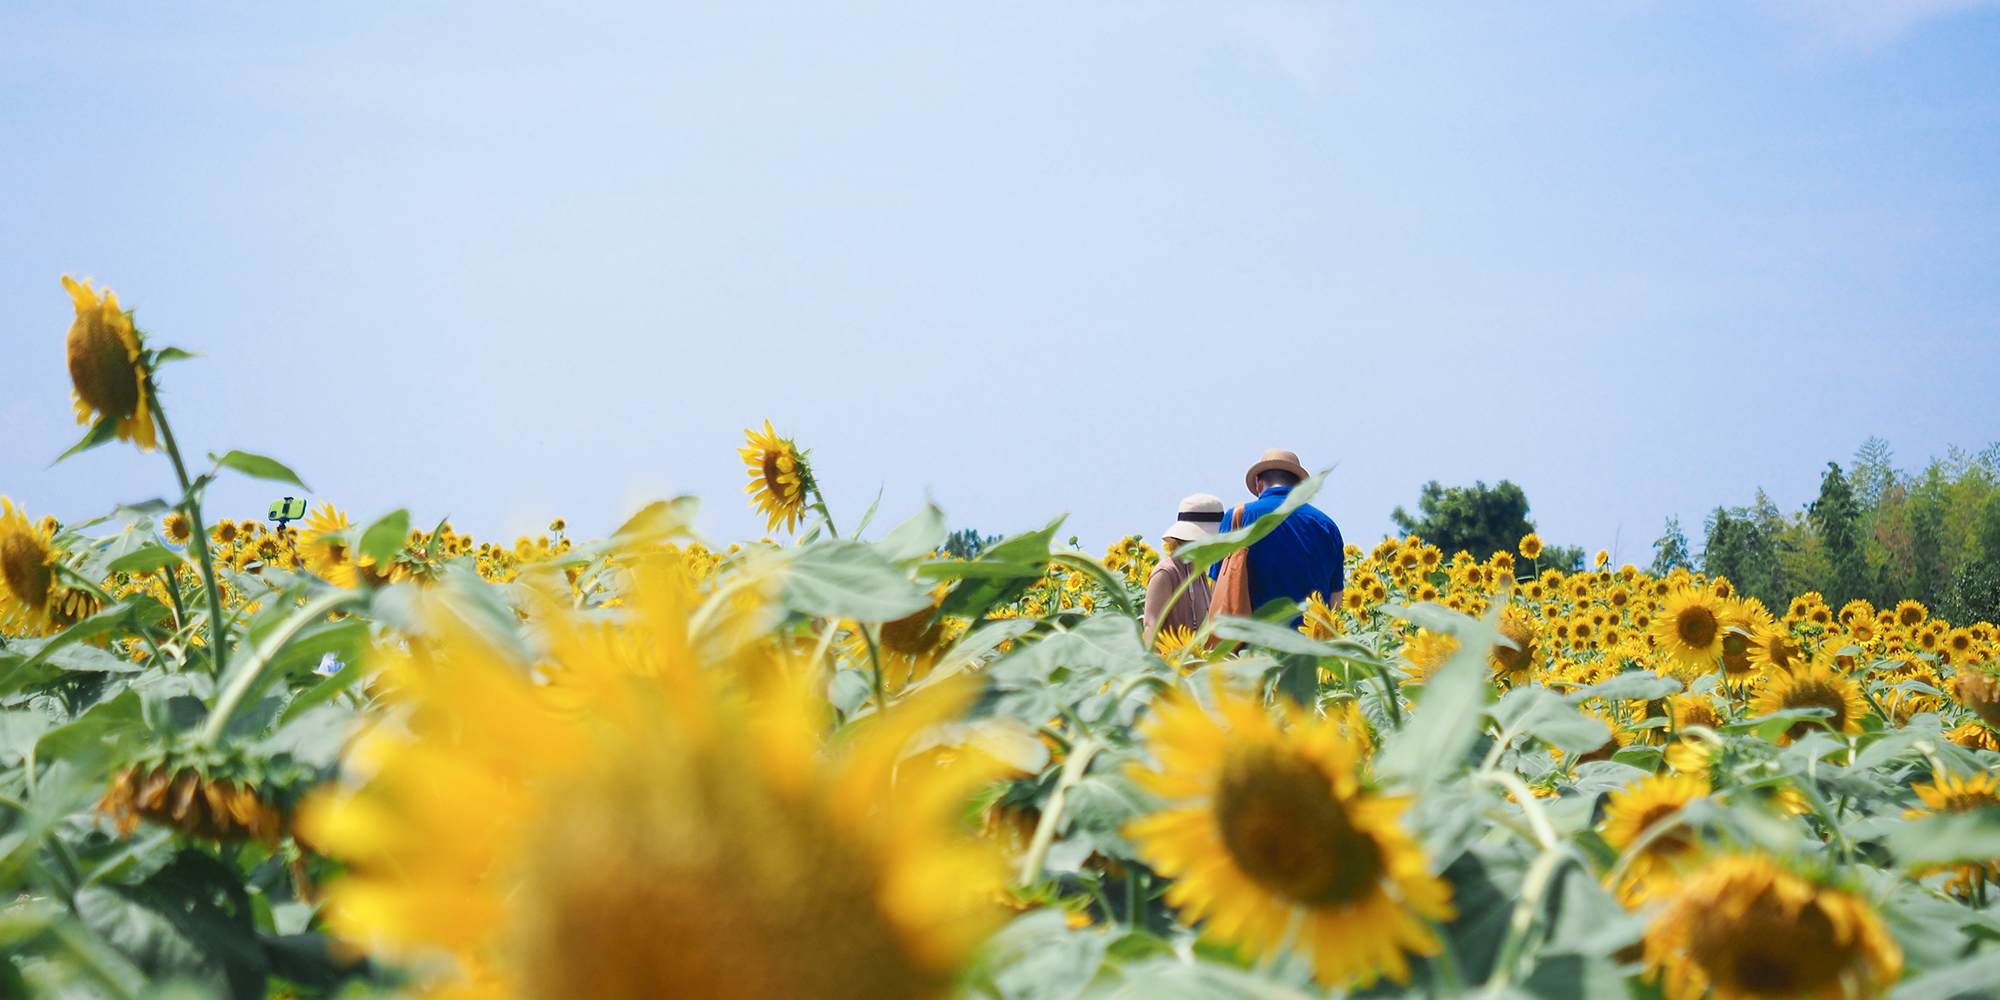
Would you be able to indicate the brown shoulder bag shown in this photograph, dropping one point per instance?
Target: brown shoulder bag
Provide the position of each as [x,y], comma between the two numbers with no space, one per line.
[1232,584]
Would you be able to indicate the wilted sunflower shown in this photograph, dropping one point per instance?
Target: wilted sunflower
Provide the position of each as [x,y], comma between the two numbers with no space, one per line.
[1271,834]
[1948,793]
[1747,929]
[780,479]
[191,801]
[1979,691]
[652,825]
[104,365]
[1689,630]
[1812,685]
[1631,811]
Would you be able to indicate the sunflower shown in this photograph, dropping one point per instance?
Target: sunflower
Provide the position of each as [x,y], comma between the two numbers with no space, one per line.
[1513,665]
[779,477]
[105,368]
[1910,614]
[189,800]
[1272,835]
[1692,710]
[1689,630]
[1812,685]
[1979,691]
[224,532]
[654,822]
[1959,644]
[1948,793]
[1903,703]
[1630,812]
[325,546]
[1771,650]
[1974,736]
[1427,651]
[1321,622]
[1747,929]
[1531,546]
[1173,641]
[33,600]
[176,528]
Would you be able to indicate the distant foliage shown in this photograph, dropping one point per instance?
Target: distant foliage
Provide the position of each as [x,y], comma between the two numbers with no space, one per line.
[1474,518]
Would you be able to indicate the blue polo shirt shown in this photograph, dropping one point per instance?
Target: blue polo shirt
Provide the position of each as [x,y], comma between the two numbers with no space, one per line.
[1303,555]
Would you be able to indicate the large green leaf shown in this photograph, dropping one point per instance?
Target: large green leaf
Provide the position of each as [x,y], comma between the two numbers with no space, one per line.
[1949,838]
[103,430]
[146,559]
[915,538]
[260,467]
[1433,742]
[1545,715]
[999,575]
[107,733]
[838,578]
[386,537]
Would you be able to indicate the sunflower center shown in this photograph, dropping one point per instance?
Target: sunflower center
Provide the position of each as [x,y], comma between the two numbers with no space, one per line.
[1697,627]
[25,565]
[101,370]
[774,475]
[686,879]
[1767,951]
[1289,832]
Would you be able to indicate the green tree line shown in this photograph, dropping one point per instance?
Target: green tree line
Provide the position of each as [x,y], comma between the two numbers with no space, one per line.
[1875,532]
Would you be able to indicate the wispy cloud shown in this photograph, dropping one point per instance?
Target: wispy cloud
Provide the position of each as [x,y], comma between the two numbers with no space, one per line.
[1870,23]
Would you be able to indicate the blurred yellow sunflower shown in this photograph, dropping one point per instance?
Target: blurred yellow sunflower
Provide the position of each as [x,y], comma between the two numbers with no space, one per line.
[653,823]
[1531,546]
[176,528]
[779,477]
[1272,835]
[1975,736]
[1744,928]
[27,573]
[1948,793]
[1812,685]
[1631,811]
[104,366]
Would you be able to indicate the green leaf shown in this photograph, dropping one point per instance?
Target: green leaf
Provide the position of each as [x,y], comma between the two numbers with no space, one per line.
[1210,551]
[1277,638]
[1113,584]
[260,467]
[915,538]
[1973,977]
[1433,742]
[386,537]
[148,559]
[1000,574]
[837,578]
[1545,715]
[168,355]
[99,738]
[103,430]
[1638,685]
[1949,838]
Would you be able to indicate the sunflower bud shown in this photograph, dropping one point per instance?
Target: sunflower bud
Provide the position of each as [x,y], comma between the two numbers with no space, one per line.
[104,366]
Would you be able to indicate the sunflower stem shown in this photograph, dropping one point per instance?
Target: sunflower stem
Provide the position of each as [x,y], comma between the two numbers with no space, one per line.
[1508,959]
[174,597]
[1045,828]
[218,652]
[875,662]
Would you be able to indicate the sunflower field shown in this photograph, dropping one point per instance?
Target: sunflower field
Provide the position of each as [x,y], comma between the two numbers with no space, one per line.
[383,759]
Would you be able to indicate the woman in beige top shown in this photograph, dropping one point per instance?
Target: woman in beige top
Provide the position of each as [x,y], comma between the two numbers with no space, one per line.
[1200,517]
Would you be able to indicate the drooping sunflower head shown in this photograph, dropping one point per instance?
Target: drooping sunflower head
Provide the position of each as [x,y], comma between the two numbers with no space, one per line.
[1633,812]
[1812,685]
[105,369]
[1979,690]
[780,478]
[28,588]
[658,820]
[1689,630]
[1514,664]
[1271,829]
[1746,928]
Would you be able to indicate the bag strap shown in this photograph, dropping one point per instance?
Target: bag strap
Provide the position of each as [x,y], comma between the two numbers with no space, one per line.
[1237,523]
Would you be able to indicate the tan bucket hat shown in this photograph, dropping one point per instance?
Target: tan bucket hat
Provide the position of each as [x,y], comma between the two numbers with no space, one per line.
[1276,458]
[1200,517]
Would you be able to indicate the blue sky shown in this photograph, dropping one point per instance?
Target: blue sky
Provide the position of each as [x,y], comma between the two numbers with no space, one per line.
[505,261]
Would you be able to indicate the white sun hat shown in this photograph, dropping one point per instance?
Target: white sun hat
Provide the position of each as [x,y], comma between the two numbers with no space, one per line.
[1200,517]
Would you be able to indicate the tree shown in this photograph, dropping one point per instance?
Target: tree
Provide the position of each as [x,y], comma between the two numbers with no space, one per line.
[1738,549]
[1975,593]
[1474,519]
[1670,550]
[1834,516]
[966,543]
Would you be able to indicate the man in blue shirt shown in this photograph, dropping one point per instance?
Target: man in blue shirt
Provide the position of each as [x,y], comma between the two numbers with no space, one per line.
[1304,555]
